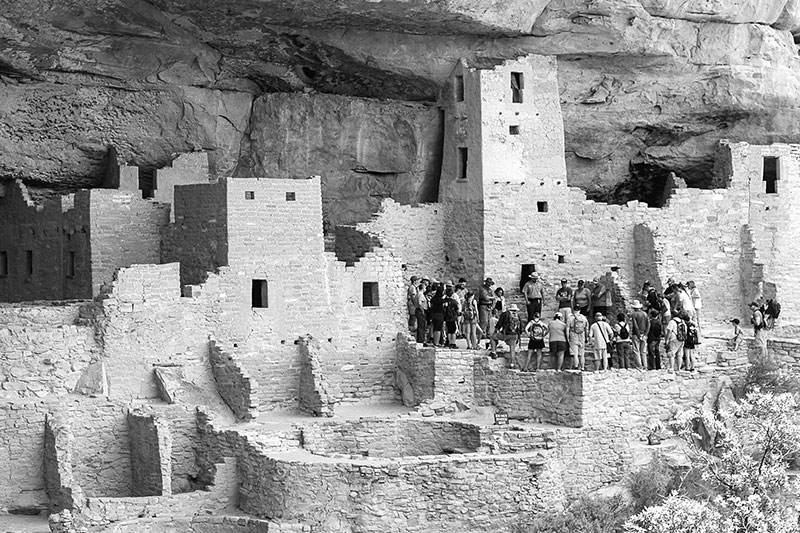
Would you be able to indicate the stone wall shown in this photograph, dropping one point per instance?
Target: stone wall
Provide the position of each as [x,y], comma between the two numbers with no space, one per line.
[22,485]
[151,454]
[418,364]
[785,351]
[234,384]
[184,170]
[60,486]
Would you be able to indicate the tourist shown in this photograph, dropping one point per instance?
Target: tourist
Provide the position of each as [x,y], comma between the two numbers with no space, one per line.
[601,297]
[437,315]
[469,314]
[646,286]
[564,298]
[640,327]
[602,335]
[653,300]
[691,342]
[738,335]
[578,336]
[498,308]
[557,330]
[697,301]
[685,304]
[508,330]
[582,299]
[411,306]
[759,329]
[421,310]
[654,341]
[623,351]
[674,338]
[460,292]
[533,291]
[537,332]
[485,303]
[451,312]
[666,310]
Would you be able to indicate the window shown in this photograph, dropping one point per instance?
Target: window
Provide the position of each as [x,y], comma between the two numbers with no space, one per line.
[71,265]
[3,264]
[369,296]
[249,195]
[541,207]
[458,88]
[461,170]
[260,293]
[290,197]
[513,130]
[525,274]
[771,174]
[562,259]
[29,262]
[516,87]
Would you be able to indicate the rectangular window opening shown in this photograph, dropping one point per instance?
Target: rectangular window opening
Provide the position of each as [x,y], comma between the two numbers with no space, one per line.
[517,84]
[513,130]
[260,293]
[29,262]
[525,274]
[71,265]
[562,259]
[249,195]
[458,87]
[541,207]
[461,171]
[370,294]
[290,197]
[3,264]
[771,174]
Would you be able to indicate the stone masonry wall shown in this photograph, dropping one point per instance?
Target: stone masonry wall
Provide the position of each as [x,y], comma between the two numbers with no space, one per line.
[60,486]
[237,388]
[184,170]
[418,364]
[22,484]
[151,454]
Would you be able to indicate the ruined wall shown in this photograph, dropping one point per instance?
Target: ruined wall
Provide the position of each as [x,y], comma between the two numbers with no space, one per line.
[22,484]
[418,364]
[184,170]
[234,384]
[124,230]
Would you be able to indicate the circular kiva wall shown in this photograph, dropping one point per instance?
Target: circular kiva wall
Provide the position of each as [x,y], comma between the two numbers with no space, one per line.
[390,438]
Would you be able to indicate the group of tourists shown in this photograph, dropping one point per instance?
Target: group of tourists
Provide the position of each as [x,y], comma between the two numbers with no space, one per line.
[441,312]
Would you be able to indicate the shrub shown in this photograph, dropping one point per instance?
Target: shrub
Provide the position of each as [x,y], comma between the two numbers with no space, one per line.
[650,485]
[680,515]
[588,514]
[766,376]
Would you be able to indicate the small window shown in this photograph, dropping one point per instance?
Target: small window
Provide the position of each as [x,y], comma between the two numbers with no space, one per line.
[29,262]
[290,197]
[513,130]
[525,274]
[461,170]
[541,207]
[3,264]
[71,265]
[249,195]
[771,174]
[458,88]
[561,259]
[516,87]
[260,293]
[370,294]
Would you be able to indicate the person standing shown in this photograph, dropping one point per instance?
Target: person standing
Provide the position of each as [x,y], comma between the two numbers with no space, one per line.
[437,315]
[601,297]
[623,351]
[421,310]
[697,301]
[557,330]
[452,310]
[411,306]
[654,341]
[691,342]
[640,327]
[485,303]
[533,291]
[508,330]
[578,326]
[602,336]
[537,332]
[564,297]
[759,329]
[469,315]
[582,299]
[674,338]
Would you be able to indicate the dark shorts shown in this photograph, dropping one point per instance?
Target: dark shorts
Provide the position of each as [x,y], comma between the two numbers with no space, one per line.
[451,327]
[558,346]
[438,323]
[535,344]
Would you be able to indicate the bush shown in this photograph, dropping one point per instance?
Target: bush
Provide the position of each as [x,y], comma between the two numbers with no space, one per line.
[680,515]
[588,514]
[766,376]
[652,484]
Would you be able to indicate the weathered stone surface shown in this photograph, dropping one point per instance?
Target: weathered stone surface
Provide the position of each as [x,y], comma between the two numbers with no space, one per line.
[168,381]
[93,381]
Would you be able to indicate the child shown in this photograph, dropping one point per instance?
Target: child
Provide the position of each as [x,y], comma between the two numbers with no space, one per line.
[736,341]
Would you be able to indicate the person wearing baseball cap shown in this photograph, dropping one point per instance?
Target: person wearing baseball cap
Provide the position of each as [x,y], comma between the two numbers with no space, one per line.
[564,297]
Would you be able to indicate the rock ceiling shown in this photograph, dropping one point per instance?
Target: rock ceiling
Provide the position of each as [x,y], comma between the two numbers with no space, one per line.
[647,86]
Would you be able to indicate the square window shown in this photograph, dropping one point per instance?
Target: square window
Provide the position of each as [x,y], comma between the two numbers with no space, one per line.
[29,262]
[290,197]
[541,207]
[771,174]
[370,294]
[71,265]
[249,195]
[260,293]
[458,88]
[513,130]
[3,264]
[562,259]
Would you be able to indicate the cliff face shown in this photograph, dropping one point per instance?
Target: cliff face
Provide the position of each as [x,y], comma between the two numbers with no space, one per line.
[647,86]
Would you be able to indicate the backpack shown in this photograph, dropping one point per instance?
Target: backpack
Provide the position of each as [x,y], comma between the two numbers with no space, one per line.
[450,310]
[512,325]
[469,312]
[680,333]
[537,331]
[693,335]
[623,332]
[578,326]
[770,312]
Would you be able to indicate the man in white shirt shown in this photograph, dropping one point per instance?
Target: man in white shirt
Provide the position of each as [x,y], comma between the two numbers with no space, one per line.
[602,336]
